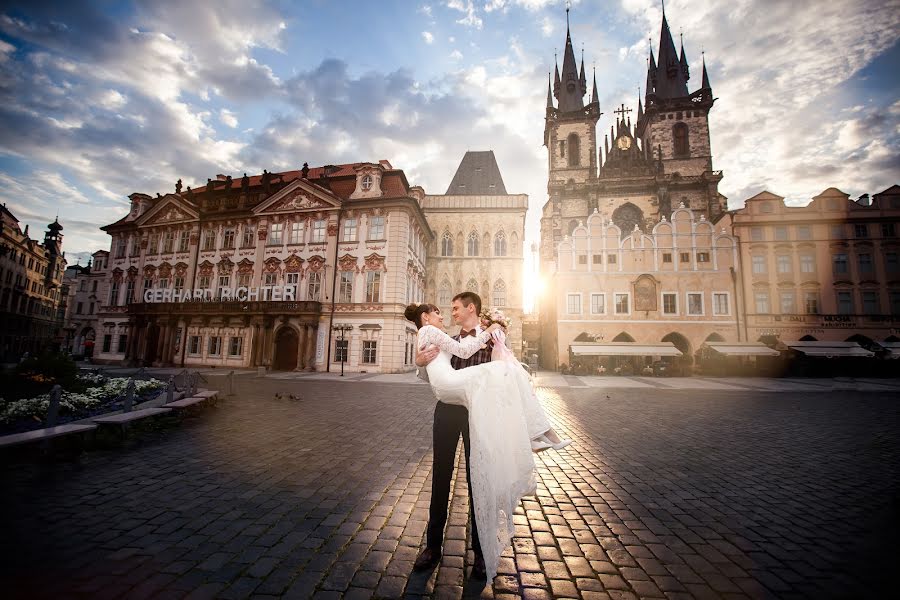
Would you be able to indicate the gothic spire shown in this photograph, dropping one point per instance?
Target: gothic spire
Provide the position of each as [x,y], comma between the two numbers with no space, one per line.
[705,84]
[640,107]
[549,93]
[683,61]
[556,77]
[582,80]
[571,92]
[670,77]
[651,73]
[595,99]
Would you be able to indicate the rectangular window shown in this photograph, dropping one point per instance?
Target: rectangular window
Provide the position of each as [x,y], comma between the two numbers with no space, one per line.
[340,350]
[499,296]
[759,264]
[667,257]
[314,286]
[349,234]
[762,302]
[756,234]
[703,257]
[598,304]
[120,252]
[597,259]
[887,230]
[804,232]
[865,263]
[292,280]
[271,279]
[781,233]
[622,304]
[837,232]
[244,279]
[376,228]
[78,308]
[194,344]
[373,286]
[670,303]
[91,306]
[783,261]
[275,230]
[318,232]
[720,304]
[890,262]
[296,232]
[169,242]
[215,345]
[107,342]
[135,246]
[164,283]
[247,237]
[839,264]
[685,257]
[203,282]
[895,303]
[870,302]
[114,294]
[184,238]
[345,291]
[370,352]
[811,300]
[573,304]
[209,239]
[695,303]
[861,230]
[582,259]
[224,283]
[153,244]
[845,303]
[787,303]
[610,259]
[235,346]
[807,263]
[123,339]
[228,238]
[129,292]
[179,283]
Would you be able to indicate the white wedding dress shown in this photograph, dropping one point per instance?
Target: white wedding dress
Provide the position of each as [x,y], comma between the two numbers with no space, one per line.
[504,415]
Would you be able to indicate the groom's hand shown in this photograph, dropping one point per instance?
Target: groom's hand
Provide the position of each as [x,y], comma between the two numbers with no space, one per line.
[423,357]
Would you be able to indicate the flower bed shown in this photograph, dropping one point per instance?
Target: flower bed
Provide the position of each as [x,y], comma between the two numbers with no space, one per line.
[104,394]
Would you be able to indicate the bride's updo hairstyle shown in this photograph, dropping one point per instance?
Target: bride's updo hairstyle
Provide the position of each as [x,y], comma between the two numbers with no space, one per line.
[414,313]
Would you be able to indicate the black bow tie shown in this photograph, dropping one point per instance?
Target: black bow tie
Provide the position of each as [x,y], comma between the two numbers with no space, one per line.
[463,333]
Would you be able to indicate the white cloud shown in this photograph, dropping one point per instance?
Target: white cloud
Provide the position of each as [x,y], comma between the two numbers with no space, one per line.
[547,27]
[471,19]
[428,37]
[456,55]
[227,118]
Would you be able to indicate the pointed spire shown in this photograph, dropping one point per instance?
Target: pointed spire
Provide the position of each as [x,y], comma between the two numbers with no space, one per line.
[549,93]
[606,145]
[582,80]
[670,80]
[705,85]
[571,92]
[556,78]
[683,61]
[595,99]
[640,106]
[651,73]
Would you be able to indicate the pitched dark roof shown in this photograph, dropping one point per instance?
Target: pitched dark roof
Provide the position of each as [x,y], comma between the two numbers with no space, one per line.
[478,174]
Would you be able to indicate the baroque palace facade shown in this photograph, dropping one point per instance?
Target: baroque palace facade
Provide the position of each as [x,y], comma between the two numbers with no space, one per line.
[289,271]
[478,243]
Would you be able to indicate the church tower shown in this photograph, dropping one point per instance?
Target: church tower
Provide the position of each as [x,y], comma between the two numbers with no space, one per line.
[673,126]
[571,140]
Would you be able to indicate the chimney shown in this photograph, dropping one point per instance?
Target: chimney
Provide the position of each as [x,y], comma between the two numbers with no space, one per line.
[864,200]
[220,177]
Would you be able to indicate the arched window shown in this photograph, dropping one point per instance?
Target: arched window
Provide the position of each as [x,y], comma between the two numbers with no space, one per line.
[572,225]
[682,143]
[499,297]
[472,286]
[473,244]
[500,244]
[447,244]
[445,294]
[574,150]
[514,243]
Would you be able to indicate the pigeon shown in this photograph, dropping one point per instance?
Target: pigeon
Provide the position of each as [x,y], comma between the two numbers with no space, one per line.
[293,397]
[278,396]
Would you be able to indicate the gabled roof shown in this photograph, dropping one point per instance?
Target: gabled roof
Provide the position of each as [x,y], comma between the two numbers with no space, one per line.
[477,175]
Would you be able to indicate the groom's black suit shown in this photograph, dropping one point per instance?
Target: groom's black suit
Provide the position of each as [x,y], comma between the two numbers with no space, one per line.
[451,421]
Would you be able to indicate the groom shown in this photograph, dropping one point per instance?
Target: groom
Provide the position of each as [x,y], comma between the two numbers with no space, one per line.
[451,421]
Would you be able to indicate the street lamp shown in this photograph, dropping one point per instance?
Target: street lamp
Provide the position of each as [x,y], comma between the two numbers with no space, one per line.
[343,343]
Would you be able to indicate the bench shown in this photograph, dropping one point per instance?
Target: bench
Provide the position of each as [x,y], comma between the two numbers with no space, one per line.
[186,402]
[45,434]
[206,394]
[127,417]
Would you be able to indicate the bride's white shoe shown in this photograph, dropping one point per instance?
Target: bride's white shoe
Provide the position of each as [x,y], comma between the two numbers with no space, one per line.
[540,444]
[562,443]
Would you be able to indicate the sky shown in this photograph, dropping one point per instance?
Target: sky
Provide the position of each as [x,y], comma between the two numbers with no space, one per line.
[102,99]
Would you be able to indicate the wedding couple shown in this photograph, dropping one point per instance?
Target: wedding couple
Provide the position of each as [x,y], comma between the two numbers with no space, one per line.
[486,396]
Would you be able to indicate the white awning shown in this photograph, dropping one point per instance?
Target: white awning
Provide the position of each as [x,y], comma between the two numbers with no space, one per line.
[742,349]
[829,349]
[893,348]
[624,349]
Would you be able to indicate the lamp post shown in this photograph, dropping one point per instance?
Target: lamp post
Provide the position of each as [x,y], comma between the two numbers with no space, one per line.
[342,341]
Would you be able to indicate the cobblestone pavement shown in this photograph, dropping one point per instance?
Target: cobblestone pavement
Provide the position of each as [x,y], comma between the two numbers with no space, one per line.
[666,493]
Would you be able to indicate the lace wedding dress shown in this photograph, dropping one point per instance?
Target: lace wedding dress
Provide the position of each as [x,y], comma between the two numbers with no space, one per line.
[504,414]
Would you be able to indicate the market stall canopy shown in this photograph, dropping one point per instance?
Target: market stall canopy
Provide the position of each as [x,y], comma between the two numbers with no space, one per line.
[829,349]
[893,348]
[624,349]
[742,349]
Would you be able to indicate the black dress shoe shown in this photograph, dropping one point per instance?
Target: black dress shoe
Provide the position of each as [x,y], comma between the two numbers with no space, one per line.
[478,570]
[427,559]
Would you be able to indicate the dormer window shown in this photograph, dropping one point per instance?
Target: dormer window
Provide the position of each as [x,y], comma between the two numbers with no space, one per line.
[366,183]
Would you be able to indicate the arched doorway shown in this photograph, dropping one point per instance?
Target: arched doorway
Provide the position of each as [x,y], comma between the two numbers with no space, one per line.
[682,343]
[623,337]
[863,341]
[714,337]
[287,344]
[808,338]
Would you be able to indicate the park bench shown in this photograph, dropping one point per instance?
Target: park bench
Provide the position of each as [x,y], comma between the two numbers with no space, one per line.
[48,433]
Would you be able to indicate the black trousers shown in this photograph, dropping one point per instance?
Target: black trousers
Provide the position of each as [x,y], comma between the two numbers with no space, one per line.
[450,421]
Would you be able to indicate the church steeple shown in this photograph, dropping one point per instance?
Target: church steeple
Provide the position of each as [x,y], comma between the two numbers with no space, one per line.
[571,92]
[670,80]
[595,99]
[582,80]
[651,73]
[705,84]
[683,61]
[549,93]
[556,78]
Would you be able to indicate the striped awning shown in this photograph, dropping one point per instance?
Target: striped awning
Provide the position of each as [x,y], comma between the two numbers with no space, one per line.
[624,349]
[742,349]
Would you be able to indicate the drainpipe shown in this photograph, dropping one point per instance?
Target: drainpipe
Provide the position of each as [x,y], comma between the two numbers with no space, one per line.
[737,312]
[196,252]
[337,237]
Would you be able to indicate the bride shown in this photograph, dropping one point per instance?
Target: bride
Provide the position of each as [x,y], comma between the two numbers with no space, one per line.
[504,417]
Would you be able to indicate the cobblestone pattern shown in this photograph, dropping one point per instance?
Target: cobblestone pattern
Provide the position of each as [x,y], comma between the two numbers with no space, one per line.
[666,494]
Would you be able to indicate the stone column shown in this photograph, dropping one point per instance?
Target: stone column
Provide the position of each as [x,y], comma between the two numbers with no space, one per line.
[311,338]
[300,348]
[254,345]
[160,341]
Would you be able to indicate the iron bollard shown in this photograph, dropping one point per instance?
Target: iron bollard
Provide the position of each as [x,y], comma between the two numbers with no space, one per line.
[231,383]
[170,390]
[53,409]
[129,395]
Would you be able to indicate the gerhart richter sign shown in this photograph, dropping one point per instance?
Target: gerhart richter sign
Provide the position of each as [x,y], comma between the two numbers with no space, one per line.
[270,293]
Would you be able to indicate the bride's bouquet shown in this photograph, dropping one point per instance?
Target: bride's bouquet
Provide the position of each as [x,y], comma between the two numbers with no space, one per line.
[499,350]
[494,315]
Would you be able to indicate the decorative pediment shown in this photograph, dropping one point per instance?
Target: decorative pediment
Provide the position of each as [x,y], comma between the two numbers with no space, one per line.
[225,265]
[149,270]
[347,263]
[316,263]
[132,272]
[293,264]
[375,262]
[165,269]
[296,196]
[272,265]
[245,266]
[181,269]
[117,274]
[206,268]
[169,210]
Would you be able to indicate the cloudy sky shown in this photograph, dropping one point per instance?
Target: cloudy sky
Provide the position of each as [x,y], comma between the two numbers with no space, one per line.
[102,99]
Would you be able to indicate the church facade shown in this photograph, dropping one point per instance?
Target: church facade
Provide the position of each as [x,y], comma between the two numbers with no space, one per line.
[479,234]
[301,270]
[653,183]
